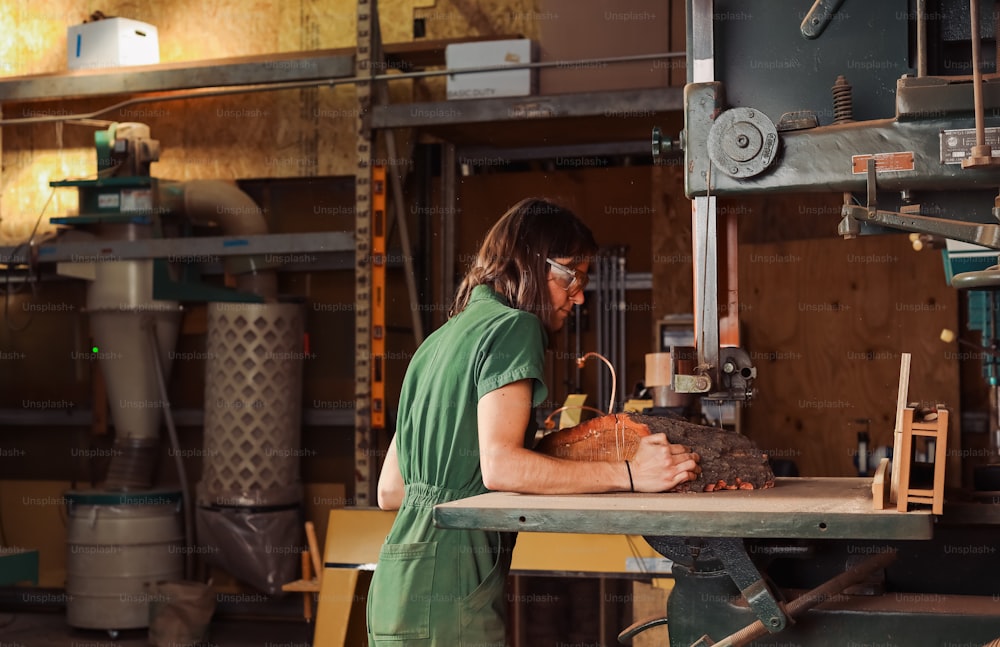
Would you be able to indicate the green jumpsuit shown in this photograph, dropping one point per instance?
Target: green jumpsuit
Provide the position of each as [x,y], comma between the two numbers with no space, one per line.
[446,587]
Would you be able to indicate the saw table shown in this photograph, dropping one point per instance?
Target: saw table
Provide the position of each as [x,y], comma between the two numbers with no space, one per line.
[795,508]
[801,531]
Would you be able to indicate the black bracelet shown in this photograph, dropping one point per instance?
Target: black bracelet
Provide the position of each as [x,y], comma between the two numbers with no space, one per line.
[631,485]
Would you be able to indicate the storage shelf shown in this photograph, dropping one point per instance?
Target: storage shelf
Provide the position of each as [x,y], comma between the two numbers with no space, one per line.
[180,249]
[289,67]
[178,76]
[74,417]
[625,104]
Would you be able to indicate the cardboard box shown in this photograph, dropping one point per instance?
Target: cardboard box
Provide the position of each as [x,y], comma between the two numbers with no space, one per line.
[112,42]
[573,31]
[487,85]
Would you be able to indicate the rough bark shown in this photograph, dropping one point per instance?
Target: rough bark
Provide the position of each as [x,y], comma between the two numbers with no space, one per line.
[729,460]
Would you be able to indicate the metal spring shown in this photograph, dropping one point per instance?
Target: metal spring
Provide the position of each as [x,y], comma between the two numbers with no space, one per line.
[843,104]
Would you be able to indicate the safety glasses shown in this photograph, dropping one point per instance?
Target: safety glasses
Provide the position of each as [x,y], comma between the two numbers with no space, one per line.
[577,280]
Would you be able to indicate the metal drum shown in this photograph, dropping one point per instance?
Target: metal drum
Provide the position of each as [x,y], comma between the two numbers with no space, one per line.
[120,545]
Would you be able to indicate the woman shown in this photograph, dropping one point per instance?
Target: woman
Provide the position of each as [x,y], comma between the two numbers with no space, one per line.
[465,427]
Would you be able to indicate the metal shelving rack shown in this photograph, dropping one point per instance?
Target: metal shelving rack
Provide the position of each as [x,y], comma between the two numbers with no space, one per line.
[455,123]
[165,82]
[465,130]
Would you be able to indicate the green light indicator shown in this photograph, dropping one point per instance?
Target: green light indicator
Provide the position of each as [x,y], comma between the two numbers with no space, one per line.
[94,349]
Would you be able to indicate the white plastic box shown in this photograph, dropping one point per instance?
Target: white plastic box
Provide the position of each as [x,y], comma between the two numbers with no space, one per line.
[112,42]
[482,85]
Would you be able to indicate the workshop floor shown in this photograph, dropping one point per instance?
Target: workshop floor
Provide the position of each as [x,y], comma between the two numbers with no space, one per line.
[51,630]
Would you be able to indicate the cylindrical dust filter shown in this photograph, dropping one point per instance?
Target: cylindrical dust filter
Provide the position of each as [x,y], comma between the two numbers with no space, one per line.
[253,394]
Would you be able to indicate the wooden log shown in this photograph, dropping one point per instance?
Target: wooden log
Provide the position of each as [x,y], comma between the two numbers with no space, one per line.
[729,460]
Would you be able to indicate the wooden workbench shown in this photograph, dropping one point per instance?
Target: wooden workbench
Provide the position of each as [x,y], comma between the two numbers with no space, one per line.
[814,508]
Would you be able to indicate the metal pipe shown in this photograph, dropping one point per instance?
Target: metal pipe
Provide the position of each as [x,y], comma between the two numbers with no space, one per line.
[449,200]
[977,73]
[295,85]
[236,214]
[622,311]
[613,322]
[154,348]
[609,320]
[605,348]
[921,38]
[578,347]
[600,301]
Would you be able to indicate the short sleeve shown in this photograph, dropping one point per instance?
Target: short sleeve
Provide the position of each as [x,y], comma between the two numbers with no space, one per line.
[514,351]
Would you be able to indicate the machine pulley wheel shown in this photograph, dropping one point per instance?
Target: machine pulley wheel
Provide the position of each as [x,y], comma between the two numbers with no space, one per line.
[743,142]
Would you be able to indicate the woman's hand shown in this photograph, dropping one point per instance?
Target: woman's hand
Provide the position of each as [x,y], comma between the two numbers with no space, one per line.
[659,466]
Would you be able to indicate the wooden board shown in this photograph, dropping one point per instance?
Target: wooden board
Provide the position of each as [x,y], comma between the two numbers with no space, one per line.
[826,322]
[880,486]
[672,261]
[814,508]
[897,436]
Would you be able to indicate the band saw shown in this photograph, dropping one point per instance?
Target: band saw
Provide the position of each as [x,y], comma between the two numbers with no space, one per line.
[895,107]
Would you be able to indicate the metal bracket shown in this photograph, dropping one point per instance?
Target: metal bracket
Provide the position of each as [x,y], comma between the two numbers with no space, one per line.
[681,360]
[819,17]
[976,233]
[733,555]
[736,375]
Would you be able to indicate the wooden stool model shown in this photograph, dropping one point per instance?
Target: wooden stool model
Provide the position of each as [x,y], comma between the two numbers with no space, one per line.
[938,431]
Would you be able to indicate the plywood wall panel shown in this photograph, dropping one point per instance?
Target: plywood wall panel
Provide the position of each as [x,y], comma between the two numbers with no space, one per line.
[826,321]
[672,263]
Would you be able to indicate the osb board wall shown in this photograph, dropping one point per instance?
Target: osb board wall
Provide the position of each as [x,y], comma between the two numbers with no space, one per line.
[187,30]
[458,18]
[306,132]
[826,321]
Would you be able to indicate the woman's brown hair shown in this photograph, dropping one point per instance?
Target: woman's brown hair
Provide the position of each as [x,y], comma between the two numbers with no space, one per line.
[512,257]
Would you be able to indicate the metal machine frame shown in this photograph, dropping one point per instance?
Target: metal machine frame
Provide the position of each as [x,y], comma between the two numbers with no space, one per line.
[740,565]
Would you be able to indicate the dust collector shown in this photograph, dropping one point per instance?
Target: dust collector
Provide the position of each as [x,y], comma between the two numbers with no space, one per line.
[129,534]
